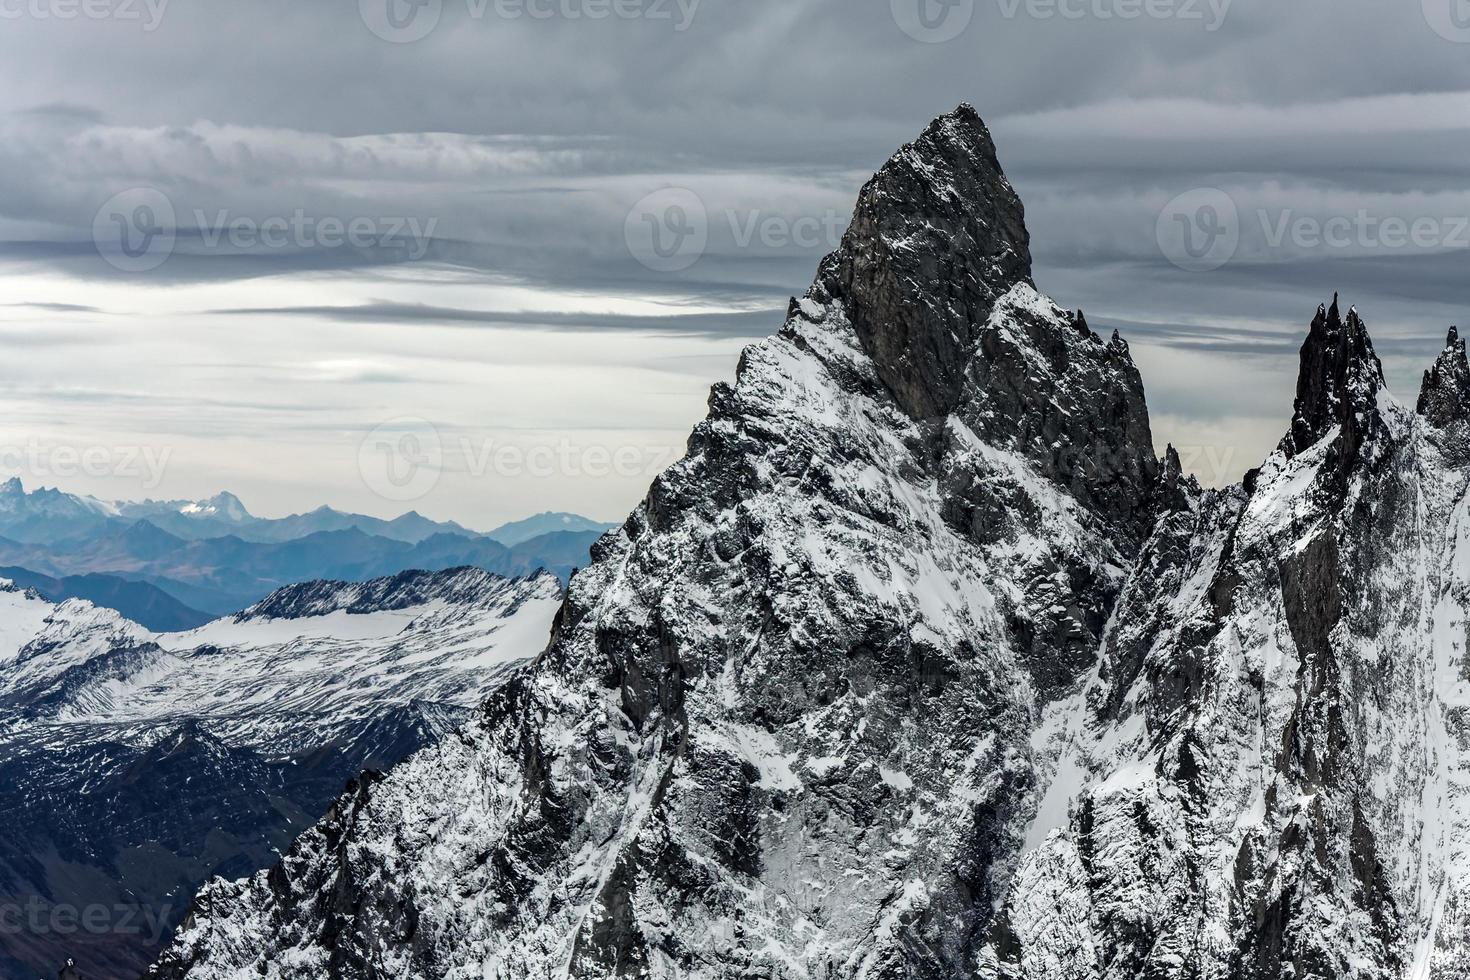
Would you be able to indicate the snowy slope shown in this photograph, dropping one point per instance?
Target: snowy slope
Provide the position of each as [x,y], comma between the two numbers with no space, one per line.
[921,665]
[134,765]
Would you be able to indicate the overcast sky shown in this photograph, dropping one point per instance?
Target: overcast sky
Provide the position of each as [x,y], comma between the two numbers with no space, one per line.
[282,246]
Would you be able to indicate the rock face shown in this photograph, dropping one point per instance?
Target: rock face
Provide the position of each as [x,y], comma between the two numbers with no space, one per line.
[1268,776]
[920,664]
[937,237]
[1445,398]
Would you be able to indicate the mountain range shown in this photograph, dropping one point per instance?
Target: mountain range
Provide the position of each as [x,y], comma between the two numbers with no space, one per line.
[178,564]
[923,664]
[134,765]
[48,516]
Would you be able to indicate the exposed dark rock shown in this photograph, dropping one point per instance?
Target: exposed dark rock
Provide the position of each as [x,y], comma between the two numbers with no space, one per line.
[937,237]
[1444,399]
[1338,384]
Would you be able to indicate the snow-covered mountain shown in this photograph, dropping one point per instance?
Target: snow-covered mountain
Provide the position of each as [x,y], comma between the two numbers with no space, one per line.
[134,765]
[125,557]
[920,664]
[48,516]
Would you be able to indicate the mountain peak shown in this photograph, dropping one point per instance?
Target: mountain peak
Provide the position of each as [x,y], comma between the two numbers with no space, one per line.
[1444,397]
[145,530]
[1338,383]
[937,237]
[222,505]
[228,503]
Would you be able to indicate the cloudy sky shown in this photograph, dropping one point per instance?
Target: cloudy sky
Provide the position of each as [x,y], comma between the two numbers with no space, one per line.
[282,246]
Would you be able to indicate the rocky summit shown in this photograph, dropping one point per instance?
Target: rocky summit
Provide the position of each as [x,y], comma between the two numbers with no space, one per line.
[920,664]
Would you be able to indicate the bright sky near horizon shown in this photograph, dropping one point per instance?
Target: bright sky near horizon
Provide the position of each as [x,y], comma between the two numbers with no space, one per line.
[493,268]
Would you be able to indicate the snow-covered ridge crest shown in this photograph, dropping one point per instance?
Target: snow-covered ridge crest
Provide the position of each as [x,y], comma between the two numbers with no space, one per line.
[467,587]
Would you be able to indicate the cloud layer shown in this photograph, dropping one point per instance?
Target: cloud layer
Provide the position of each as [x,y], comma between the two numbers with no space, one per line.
[255,232]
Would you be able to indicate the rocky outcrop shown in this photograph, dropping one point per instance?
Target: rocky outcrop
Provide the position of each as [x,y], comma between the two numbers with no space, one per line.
[1337,388]
[938,235]
[468,587]
[1445,397]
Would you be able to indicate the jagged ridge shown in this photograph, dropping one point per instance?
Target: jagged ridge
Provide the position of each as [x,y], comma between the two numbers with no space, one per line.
[921,664]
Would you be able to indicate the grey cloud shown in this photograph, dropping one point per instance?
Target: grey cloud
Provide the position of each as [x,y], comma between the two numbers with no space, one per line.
[756,323]
[531,140]
[57,307]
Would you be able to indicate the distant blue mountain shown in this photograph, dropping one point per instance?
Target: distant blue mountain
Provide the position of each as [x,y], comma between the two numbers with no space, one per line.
[549,523]
[141,602]
[172,562]
[47,516]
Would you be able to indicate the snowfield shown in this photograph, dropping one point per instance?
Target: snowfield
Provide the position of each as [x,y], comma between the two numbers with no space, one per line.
[135,765]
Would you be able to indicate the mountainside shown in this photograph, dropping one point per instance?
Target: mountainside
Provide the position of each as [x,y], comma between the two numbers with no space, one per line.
[1269,770]
[920,664]
[135,765]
